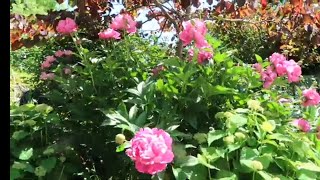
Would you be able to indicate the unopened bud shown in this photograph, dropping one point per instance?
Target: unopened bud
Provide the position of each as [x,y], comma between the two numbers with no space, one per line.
[240,135]
[257,165]
[120,139]
[229,139]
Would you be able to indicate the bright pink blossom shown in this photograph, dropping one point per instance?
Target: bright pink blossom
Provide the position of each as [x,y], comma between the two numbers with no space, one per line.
[293,71]
[109,34]
[151,150]
[47,76]
[124,22]
[196,32]
[268,76]
[67,26]
[278,61]
[302,124]
[311,97]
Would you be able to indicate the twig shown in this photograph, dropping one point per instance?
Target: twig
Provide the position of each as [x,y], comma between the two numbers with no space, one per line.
[175,25]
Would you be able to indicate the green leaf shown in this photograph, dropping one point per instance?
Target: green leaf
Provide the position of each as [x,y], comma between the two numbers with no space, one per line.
[18,135]
[132,112]
[188,161]
[202,160]
[123,146]
[215,135]
[48,151]
[141,120]
[279,137]
[218,57]
[225,175]
[303,174]
[43,108]
[248,153]
[49,163]
[25,155]
[309,166]
[179,174]
[221,90]
[14,174]
[258,58]
[238,120]
[265,175]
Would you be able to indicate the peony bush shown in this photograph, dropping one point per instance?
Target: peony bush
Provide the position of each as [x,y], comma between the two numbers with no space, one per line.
[121,108]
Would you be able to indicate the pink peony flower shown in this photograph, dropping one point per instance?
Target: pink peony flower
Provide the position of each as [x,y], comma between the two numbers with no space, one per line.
[59,53]
[47,76]
[293,71]
[204,56]
[257,67]
[67,26]
[268,76]
[278,61]
[67,71]
[45,65]
[50,59]
[311,97]
[151,150]
[108,34]
[124,22]
[302,124]
[194,32]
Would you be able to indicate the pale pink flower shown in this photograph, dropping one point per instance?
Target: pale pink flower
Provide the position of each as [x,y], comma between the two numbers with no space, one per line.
[124,22]
[68,52]
[186,35]
[293,71]
[50,59]
[257,67]
[108,34]
[302,124]
[67,26]
[311,97]
[67,71]
[45,65]
[59,53]
[47,76]
[151,150]
[268,76]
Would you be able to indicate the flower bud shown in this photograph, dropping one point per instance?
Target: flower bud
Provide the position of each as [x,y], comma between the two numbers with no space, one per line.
[254,104]
[240,135]
[229,139]
[267,126]
[228,114]
[257,165]
[120,139]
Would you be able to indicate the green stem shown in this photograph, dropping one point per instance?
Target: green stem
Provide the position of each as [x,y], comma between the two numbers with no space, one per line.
[253,175]
[61,173]
[209,173]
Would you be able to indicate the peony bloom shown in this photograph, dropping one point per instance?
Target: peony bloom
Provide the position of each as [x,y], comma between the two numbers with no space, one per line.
[293,71]
[203,55]
[108,34]
[278,61]
[311,97]
[124,22]
[45,65]
[194,32]
[151,150]
[67,26]
[47,76]
[257,67]
[302,124]
[268,76]
[59,53]
[67,71]
[50,59]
